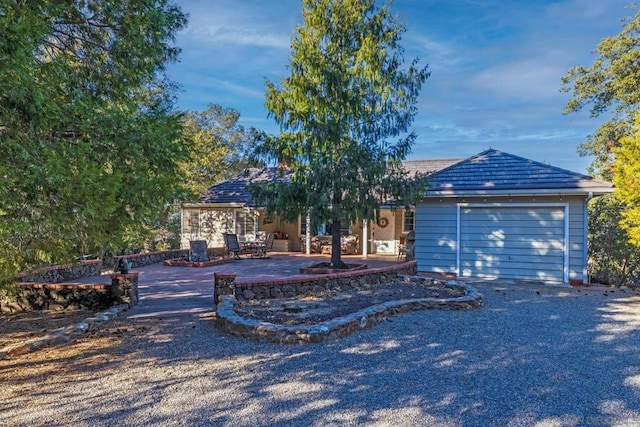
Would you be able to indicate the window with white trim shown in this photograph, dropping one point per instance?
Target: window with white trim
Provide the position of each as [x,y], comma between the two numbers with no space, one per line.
[246,224]
[302,225]
[409,220]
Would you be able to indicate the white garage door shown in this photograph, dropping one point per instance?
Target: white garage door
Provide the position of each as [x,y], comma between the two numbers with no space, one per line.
[522,242]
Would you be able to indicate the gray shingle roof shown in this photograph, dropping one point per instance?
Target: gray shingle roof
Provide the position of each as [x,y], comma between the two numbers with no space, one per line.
[236,190]
[489,172]
[427,166]
[495,171]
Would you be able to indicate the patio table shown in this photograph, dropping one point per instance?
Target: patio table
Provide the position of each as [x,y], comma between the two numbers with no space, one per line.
[255,249]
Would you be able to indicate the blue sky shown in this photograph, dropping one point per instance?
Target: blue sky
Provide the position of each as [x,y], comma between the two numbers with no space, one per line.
[495,68]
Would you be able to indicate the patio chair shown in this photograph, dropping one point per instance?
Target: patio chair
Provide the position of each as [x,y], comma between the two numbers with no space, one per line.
[198,251]
[261,249]
[231,245]
[407,251]
[268,246]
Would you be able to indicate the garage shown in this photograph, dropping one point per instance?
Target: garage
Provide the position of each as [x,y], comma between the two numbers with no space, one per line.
[513,241]
[497,215]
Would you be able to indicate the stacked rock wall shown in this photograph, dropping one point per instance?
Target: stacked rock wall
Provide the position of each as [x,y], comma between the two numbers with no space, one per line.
[312,285]
[70,296]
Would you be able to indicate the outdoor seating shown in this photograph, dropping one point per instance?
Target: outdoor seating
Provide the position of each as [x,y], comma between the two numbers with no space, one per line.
[231,245]
[259,249]
[198,251]
[407,249]
[268,245]
[322,244]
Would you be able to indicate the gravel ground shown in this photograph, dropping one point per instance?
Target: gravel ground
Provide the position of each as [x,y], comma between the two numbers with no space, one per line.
[533,356]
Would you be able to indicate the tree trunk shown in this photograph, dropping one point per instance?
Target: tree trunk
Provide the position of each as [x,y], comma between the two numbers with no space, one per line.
[336,261]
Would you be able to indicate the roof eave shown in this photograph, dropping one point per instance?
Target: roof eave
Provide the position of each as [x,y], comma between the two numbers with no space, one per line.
[593,191]
[214,205]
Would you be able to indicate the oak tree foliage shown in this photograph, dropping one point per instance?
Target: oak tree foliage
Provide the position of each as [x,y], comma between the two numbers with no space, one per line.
[89,139]
[612,259]
[626,178]
[344,112]
[218,146]
[610,85]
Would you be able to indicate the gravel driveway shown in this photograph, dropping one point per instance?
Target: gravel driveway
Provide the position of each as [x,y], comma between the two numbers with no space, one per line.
[534,356]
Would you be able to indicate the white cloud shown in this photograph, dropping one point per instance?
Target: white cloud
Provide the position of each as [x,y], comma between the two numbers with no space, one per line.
[440,55]
[237,35]
[496,67]
[236,24]
[524,79]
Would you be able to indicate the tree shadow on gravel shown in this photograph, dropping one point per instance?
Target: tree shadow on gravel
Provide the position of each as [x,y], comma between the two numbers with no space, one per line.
[531,356]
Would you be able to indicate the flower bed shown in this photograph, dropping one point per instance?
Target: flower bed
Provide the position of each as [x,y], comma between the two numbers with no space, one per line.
[325,268]
[232,322]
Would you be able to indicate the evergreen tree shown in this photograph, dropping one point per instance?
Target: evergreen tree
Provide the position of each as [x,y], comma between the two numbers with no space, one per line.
[89,138]
[612,85]
[344,113]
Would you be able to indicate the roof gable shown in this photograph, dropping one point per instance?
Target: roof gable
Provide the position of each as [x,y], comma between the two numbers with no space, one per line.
[493,171]
[236,190]
[427,166]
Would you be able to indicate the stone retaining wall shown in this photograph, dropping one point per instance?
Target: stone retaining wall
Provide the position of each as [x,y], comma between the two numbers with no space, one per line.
[63,273]
[148,258]
[124,288]
[90,268]
[230,321]
[70,296]
[225,284]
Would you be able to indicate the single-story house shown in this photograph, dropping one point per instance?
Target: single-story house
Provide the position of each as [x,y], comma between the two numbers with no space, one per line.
[491,215]
[229,208]
[499,215]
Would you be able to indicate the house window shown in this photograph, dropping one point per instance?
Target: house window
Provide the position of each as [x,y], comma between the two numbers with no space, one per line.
[246,224]
[302,221]
[409,220]
[325,229]
[191,221]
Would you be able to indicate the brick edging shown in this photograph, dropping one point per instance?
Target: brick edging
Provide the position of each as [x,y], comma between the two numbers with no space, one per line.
[331,276]
[37,285]
[232,322]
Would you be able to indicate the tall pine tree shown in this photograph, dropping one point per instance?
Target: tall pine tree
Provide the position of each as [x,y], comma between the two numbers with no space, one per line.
[344,113]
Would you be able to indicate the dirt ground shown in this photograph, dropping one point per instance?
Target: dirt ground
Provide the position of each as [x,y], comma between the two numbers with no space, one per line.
[20,327]
[299,310]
